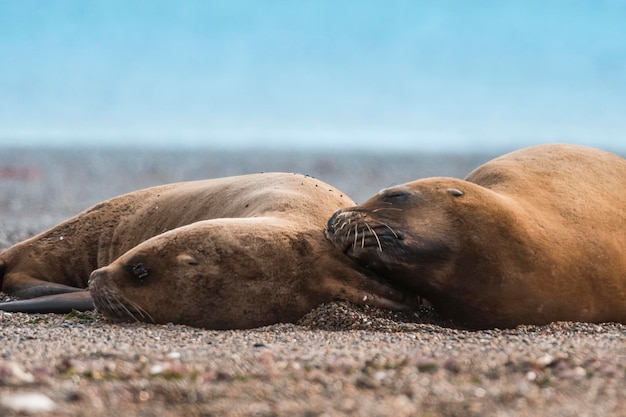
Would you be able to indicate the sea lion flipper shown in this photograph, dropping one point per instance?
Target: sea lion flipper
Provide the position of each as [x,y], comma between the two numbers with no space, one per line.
[24,286]
[59,303]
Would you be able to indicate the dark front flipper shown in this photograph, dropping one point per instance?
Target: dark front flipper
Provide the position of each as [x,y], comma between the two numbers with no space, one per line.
[59,303]
[23,286]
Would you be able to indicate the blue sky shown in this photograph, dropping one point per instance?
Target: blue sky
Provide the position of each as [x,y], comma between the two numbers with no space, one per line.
[435,75]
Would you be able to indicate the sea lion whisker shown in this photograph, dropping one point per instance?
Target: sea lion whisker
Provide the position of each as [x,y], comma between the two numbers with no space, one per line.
[386,208]
[380,247]
[348,234]
[110,304]
[356,234]
[141,311]
[121,307]
[102,299]
[363,238]
[391,230]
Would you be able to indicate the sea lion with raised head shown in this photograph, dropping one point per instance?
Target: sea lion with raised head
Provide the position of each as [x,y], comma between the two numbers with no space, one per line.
[531,237]
[223,253]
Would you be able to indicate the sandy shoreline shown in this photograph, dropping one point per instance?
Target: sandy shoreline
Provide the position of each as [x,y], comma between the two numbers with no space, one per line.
[339,360]
[371,363]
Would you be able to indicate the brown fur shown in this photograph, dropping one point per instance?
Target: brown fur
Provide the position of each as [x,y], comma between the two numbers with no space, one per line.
[225,253]
[69,252]
[531,237]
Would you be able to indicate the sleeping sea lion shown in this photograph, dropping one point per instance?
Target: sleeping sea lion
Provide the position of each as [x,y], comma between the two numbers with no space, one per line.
[531,237]
[223,253]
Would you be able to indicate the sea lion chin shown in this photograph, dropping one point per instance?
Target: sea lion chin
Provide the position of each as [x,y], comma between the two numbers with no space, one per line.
[531,237]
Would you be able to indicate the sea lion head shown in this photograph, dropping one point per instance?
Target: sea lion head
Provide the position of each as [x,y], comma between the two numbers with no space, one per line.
[205,274]
[141,285]
[408,234]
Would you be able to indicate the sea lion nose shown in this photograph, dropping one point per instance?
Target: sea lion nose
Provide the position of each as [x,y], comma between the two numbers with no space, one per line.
[97,275]
[330,228]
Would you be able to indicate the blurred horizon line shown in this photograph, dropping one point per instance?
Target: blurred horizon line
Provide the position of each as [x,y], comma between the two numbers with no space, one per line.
[387,141]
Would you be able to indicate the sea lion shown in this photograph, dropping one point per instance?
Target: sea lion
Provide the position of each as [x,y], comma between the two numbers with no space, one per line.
[534,236]
[261,258]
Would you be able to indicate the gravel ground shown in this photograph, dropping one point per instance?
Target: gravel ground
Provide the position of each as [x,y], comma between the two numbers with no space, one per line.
[338,360]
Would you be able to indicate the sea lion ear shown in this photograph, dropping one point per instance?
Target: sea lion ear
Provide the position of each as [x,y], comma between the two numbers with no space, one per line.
[454,192]
[185,258]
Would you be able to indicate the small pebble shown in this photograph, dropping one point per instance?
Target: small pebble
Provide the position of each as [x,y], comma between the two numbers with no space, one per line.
[28,403]
[173,355]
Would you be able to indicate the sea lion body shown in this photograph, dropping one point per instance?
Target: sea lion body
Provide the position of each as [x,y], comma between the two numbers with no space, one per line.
[69,252]
[531,237]
[205,248]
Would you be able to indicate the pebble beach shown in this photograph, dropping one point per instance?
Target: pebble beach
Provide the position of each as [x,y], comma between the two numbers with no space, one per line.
[340,359]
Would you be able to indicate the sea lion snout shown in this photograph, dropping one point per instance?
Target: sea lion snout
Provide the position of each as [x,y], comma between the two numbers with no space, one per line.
[330,225]
[98,275]
[110,301]
[341,219]
[357,230]
[339,228]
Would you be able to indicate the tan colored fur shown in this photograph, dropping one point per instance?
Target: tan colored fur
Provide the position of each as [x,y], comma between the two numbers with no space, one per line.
[538,235]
